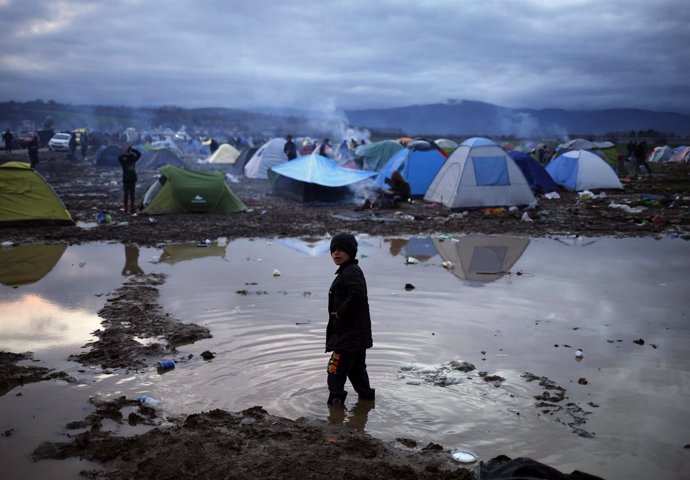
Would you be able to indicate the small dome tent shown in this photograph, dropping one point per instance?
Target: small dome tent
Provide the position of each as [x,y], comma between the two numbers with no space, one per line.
[537,176]
[107,156]
[479,173]
[374,156]
[226,154]
[582,170]
[180,190]
[419,163]
[26,198]
[158,156]
[269,155]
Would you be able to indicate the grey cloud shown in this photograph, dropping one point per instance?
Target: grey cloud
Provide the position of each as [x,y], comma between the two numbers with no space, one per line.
[570,54]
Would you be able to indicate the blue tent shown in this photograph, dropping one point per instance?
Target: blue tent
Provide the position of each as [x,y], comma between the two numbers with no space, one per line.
[419,163]
[107,155]
[536,175]
[315,178]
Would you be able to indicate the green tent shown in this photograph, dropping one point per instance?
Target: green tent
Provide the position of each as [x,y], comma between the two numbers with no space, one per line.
[26,198]
[26,264]
[179,190]
[375,155]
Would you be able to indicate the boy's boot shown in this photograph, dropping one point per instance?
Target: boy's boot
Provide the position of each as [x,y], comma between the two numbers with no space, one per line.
[337,399]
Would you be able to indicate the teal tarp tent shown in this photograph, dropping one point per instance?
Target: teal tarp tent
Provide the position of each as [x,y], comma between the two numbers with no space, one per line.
[373,156]
[315,178]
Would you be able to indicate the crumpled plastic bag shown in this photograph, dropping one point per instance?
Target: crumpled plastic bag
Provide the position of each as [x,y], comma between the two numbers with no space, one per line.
[627,208]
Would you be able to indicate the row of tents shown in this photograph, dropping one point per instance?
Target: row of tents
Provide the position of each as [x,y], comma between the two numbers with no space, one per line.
[478,173]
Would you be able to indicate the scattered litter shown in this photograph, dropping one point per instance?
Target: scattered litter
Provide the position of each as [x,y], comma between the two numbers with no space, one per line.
[526,218]
[494,212]
[586,195]
[411,261]
[152,220]
[579,354]
[149,402]
[206,355]
[409,286]
[276,273]
[7,244]
[551,195]
[639,341]
[627,208]
[165,365]
[448,265]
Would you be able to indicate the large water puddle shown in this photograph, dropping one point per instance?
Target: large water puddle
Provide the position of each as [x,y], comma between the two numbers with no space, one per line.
[507,305]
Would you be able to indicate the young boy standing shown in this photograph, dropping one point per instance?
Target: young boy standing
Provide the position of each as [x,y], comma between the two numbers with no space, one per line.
[348,334]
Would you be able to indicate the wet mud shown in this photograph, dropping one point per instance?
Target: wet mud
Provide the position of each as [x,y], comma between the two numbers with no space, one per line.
[253,443]
[132,313]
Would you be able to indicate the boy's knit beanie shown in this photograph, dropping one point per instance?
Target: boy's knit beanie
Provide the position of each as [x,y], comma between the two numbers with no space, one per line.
[345,241]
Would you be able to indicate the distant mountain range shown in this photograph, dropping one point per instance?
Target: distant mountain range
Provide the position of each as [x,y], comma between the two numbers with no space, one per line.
[477,118]
[453,119]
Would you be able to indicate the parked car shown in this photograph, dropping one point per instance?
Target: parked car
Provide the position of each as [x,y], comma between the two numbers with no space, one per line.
[59,142]
[22,140]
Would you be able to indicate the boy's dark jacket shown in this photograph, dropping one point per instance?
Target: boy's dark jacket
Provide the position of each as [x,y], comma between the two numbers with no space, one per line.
[351,330]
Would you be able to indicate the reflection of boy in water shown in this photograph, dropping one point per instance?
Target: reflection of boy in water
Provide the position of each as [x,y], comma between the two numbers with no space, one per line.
[132,261]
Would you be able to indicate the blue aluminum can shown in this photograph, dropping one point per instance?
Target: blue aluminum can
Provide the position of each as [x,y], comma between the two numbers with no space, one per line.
[165,365]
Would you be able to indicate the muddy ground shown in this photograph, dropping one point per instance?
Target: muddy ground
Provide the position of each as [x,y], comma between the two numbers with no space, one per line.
[253,443]
[664,198]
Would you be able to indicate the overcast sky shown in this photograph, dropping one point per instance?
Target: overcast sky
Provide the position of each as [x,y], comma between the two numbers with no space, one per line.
[349,54]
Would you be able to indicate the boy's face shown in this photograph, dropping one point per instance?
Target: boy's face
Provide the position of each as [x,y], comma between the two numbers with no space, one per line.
[339,256]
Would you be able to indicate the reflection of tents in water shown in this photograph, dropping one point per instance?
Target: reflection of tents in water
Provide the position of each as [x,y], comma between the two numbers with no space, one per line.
[308,246]
[179,252]
[421,248]
[28,264]
[481,258]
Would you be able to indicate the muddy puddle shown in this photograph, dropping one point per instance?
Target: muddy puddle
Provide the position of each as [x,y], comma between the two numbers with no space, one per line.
[515,310]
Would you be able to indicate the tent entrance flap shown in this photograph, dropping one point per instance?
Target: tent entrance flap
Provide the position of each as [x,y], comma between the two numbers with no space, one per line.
[490,171]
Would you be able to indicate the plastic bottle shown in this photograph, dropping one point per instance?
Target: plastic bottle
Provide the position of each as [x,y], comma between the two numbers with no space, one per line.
[149,402]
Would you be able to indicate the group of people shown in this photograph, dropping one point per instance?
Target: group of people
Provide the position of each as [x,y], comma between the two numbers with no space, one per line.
[32,147]
[290,148]
[637,156]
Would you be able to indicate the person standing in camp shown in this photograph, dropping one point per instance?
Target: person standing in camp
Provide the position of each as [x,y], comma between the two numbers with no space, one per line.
[7,137]
[290,149]
[542,154]
[32,148]
[128,162]
[641,157]
[348,334]
[84,140]
[325,147]
[72,146]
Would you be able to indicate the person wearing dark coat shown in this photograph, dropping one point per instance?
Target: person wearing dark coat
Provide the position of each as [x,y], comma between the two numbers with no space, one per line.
[348,334]
[32,148]
[128,162]
[8,138]
[290,149]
